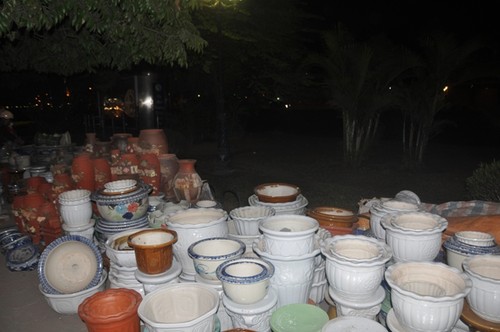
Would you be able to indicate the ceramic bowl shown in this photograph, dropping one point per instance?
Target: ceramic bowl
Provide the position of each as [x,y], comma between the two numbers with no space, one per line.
[68,303]
[484,298]
[70,264]
[457,251]
[247,218]
[356,249]
[351,276]
[22,258]
[333,216]
[123,207]
[180,307]
[296,207]
[153,249]
[298,317]
[13,241]
[208,254]
[353,324]
[245,280]
[120,185]
[475,238]
[382,207]
[427,296]
[118,250]
[276,192]
[289,235]
[417,236]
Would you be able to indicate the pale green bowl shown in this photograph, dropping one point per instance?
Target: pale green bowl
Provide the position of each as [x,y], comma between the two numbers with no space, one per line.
[298,317]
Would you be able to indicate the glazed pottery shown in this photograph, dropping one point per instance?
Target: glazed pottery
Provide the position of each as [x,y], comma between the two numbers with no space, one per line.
[153,141]
[123,207]
[293,275]
[381,208]
[75,207]
[150,282]
[192,225]
[297,207]
[245,280]
[475,238]
[169,165]
[180,307]
[187,182]
[355,265]
[276,192]
[413,236]
[427,296]
[118,250]
[68,303]
[298,317]
[353,324]
[247,218]
[149,171]
[484,298]
[153,249]
[111,310]
[333,216]
[368,308]
[457,251]
[288,235]
[207,254]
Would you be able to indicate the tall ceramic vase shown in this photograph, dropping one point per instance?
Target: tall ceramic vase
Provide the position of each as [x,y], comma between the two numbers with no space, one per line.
[82,172]
[187,182]
[169,166]
[153,141]
[102,172]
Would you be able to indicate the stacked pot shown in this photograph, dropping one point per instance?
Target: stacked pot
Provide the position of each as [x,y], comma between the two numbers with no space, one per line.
[75,208]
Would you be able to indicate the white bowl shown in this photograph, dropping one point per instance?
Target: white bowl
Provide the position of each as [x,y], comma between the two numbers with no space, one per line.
[427,296]
[247,218]
[245,280]
[354,279]
[484,298]
[354,248]
[414,241]
[118,250]
[68,303]
[475,238]
[183,306]
[352,324]
[289,235]
[120,185]
[276,192]
[208,254]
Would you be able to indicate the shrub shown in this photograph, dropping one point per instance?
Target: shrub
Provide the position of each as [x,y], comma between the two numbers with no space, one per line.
[484,184]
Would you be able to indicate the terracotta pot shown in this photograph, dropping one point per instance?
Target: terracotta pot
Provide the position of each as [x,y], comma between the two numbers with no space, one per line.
[169,166]
[153,249]
[126,167]
[133,145]
[111,310]
[150,172]
[46,190]
[102,172]
[82,172]
[32,183]
[17,204]
[187,182]
[153,141]
[48,210]
[333,216]
[33,201]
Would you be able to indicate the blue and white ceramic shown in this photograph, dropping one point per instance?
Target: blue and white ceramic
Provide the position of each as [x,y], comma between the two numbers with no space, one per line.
[70,264]
[14,241]
[22,258]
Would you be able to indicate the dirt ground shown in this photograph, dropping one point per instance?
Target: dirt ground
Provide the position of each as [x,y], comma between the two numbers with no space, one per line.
[315,165]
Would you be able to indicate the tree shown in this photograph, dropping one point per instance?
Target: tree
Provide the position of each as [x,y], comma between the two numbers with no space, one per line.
[358,76]
[68,37]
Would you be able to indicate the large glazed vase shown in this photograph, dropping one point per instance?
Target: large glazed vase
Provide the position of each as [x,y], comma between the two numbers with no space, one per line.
[153,141]
[187,182]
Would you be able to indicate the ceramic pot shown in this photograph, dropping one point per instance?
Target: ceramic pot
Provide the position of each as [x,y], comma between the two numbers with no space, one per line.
[150,172]
[187,182]
[169,166]
[126,167]
[17,204]
[133,145]
[153,141]
[82,172]
[102,149]
[32,183]
[119,141]
[111,310]
[153,249]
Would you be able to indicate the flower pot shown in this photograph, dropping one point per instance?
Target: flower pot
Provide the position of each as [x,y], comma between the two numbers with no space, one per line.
[111,310]
[153,249]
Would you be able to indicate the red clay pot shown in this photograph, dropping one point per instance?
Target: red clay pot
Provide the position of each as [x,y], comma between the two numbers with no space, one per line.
[82,172]
[150,172]
[153,141]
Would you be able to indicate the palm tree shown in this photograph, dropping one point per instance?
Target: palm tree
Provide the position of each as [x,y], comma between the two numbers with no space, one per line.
[358,76]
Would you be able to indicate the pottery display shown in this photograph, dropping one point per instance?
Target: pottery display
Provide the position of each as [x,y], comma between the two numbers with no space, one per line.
[187,182]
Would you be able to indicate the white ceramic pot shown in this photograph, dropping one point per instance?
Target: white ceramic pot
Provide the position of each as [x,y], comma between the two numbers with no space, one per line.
[414,236]
[484,298]
[381,208]
[427,296]
[288,235]
[192,225]
[180,307]
[349,274]
[247,218]
[118,250]
[208,254]
[293,275]
[245,280]
[75,207]
[354,324]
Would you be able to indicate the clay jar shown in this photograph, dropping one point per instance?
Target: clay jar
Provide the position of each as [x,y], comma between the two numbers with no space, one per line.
[187,182]
[150,172]
[102,172]
[110,310]
[169,166]
[153,141]
[153,249]
[82,172]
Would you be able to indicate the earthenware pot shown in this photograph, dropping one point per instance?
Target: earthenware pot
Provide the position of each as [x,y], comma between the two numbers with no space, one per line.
[187,182]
